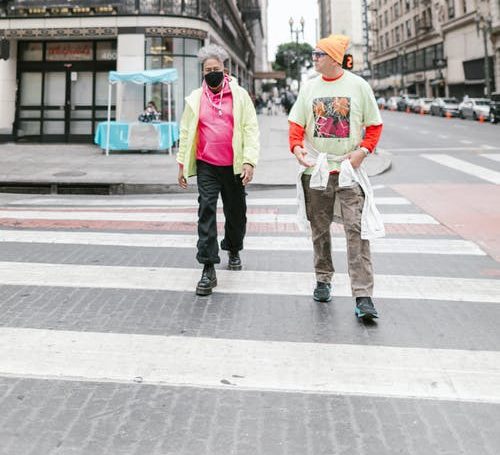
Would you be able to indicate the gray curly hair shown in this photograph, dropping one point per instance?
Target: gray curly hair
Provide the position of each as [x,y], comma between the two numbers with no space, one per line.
[212,51]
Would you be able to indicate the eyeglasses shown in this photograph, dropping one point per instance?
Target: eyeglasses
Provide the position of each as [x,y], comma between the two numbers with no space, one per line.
[318,54]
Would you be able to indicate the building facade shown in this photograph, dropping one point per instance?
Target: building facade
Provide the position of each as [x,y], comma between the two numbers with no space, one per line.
[54,84]
[344,17]
[433,47]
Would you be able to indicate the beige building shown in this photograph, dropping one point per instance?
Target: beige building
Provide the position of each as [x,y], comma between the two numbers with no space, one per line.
[344,17]
[468,33]
[433,47]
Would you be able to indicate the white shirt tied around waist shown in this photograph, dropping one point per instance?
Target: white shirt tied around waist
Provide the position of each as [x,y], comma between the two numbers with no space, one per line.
[372,225]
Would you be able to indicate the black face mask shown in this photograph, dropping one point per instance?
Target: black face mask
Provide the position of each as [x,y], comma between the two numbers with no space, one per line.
[214,79]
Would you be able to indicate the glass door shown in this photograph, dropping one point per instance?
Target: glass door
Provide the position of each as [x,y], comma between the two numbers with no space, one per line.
[55,105]
[80,104]
[30,105]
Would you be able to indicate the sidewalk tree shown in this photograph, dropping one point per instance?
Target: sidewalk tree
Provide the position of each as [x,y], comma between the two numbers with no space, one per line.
[292,57]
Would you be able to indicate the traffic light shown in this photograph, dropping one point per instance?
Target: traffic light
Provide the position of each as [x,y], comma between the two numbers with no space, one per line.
[348,62]
[4,49]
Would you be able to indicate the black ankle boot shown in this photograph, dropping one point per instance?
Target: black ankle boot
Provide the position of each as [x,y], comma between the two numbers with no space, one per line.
[208,280]
[234,262]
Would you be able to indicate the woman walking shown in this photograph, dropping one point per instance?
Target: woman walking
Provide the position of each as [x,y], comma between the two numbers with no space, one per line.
[219,143]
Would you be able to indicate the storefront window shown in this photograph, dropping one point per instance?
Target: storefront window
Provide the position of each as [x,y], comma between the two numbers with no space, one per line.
[429,57]
[106,50]
[31,95]
[32,52]
[57,100]
[178,53]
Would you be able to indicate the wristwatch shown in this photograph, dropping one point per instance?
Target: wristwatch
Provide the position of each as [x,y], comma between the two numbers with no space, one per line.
[365,150]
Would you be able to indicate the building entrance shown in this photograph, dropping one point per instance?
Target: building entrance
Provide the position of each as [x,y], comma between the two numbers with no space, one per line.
[61,101]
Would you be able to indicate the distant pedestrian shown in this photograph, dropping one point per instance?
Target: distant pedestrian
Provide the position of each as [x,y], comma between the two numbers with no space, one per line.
[219,143]
[331,112]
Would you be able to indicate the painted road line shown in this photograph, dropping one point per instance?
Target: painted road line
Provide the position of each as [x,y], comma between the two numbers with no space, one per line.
[435,149]
[491,156]
[442,374]
[187,217]
[465,167]
[260,243]
[244,282]
[465,141]
[158,203]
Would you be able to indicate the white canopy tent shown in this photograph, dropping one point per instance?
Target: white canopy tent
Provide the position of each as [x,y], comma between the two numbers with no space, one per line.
[162,76]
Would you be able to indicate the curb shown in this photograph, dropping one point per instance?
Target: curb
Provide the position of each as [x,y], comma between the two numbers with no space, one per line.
[373,167]
[111,188]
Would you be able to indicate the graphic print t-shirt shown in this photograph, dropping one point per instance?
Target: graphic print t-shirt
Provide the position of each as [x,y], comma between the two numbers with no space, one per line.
[335,113]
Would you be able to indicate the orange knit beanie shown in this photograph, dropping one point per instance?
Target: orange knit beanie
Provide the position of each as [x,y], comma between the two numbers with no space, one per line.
[335,46]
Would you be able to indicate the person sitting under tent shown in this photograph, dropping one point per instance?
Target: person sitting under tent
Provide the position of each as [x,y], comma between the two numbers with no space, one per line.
[150,113]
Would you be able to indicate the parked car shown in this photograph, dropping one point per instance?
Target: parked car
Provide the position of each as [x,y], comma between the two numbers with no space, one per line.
[474,108]
[443,106]
[381,102]
[494,116]
[406,101]
[392,103]
[422,105]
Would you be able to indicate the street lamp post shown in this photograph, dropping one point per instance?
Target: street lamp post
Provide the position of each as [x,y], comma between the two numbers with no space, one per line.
[484,23]
[297,31]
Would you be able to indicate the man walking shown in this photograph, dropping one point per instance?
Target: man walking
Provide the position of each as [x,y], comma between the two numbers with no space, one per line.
[331,112]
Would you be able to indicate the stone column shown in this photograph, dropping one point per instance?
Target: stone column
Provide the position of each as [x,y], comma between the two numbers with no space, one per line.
[8,90]
[130,57]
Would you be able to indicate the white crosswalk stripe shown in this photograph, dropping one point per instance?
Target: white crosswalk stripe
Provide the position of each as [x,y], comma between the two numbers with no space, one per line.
[262,365]
[187,217]
[491,156]
[252,243]
[259,365]
[175,202]
[465,167]
[243,282]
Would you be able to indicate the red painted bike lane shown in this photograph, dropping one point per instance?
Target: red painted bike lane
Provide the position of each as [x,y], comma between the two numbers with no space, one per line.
[472,211]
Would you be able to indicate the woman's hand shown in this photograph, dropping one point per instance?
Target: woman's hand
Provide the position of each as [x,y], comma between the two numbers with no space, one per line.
[246,174]
[181,179]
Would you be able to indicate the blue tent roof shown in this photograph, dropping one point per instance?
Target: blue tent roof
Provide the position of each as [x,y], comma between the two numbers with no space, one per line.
[144,77]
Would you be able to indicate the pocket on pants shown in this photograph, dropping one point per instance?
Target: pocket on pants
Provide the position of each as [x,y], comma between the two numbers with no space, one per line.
[352,200]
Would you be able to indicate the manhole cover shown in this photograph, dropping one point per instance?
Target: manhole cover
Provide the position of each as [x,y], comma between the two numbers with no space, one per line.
[70,174]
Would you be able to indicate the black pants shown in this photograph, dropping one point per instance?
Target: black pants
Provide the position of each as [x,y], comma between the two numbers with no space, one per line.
[213,180]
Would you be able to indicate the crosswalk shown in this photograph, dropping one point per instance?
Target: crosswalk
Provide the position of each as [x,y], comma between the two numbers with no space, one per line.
[467,167]
[415,269]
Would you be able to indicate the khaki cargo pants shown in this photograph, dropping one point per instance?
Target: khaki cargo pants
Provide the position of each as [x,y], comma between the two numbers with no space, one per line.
[319,210]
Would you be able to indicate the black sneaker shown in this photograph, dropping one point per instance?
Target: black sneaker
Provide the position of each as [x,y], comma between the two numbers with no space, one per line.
[234,262]
[365,309]
[208,280]
[323,292]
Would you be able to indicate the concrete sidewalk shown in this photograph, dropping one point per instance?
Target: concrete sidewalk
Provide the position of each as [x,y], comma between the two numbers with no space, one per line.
[84,169]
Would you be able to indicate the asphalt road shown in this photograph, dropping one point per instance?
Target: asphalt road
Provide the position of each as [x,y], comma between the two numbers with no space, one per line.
[105,349]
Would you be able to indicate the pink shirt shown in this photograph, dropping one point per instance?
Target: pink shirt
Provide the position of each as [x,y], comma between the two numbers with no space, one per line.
[215,132]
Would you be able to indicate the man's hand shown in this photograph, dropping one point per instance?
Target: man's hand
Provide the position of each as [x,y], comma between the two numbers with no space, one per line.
[301,154]
[181,179]
[356,158]
[246,174]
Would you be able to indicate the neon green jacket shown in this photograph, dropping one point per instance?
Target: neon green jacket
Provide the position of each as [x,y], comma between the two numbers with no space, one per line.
[245,134]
